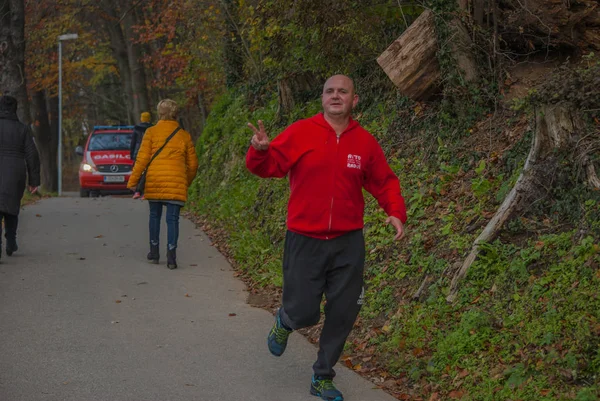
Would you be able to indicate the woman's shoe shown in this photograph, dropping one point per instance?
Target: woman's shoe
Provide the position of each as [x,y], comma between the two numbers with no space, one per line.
[153,255]
[171,259]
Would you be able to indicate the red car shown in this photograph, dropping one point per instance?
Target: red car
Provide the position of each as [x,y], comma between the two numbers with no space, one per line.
[106,164]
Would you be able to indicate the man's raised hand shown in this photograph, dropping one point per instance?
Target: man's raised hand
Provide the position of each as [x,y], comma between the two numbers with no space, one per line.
[260,140]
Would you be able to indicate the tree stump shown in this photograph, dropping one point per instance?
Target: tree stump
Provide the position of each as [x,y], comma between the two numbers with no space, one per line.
[557,130]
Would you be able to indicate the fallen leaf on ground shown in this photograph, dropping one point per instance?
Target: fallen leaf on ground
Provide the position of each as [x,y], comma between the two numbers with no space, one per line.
[99,236]
[38,215]
[418,352]
[193,264]
[456,394]
[118,301]
[233,314]
[187,295]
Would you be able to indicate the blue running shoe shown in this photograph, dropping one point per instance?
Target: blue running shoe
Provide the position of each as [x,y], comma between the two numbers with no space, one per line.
[278,337]
[324,388]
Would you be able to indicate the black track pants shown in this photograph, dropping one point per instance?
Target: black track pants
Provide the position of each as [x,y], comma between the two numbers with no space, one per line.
[313,267]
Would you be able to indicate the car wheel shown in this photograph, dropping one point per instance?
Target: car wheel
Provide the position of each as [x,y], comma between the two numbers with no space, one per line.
[84,193]
[94,194]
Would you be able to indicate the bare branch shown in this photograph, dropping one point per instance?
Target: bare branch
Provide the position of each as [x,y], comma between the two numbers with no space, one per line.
[129,10]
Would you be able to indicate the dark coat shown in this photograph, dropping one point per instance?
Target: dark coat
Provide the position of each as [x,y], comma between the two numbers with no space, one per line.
[18,159]
[136,139]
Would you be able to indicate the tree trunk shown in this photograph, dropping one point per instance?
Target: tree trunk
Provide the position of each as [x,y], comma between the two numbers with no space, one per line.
[462,49]
[233,46]
[136,69]
[556,128]
[120,53]
[285,97]
[12,55]
[46,141]
[478,11]
[292,89]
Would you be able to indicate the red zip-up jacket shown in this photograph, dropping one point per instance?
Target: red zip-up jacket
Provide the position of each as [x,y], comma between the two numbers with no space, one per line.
[327,175]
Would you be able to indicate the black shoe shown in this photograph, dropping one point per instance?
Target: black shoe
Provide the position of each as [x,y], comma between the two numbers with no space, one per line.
[171,259]
[153,255]
[11,247]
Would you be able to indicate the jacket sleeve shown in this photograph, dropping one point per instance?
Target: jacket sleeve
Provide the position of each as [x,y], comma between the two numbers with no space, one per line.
[141,161]
[277,160]
[191,160]
[32,159]
[383,184]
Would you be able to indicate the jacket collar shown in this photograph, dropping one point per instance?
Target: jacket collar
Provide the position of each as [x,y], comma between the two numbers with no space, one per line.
[320,120]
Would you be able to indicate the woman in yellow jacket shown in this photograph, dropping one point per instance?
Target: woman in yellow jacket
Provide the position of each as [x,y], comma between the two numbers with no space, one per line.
[168,176]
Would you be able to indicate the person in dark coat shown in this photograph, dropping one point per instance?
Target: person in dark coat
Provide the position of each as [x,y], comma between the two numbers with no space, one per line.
[19,159]
[138,133]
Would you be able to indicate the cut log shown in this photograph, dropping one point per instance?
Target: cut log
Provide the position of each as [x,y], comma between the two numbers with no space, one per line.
[411,63]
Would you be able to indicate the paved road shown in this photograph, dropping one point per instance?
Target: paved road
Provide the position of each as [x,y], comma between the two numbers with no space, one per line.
[84,317]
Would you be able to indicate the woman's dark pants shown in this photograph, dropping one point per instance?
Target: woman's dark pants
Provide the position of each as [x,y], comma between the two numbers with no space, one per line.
[172,223]
[10,224]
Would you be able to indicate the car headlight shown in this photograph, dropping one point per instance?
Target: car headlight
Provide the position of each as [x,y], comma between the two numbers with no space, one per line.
[87,167]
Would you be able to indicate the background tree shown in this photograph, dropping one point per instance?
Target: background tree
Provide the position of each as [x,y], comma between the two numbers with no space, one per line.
[12,54]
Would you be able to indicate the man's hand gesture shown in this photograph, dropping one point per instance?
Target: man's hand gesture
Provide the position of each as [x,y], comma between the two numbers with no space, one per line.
[260,140]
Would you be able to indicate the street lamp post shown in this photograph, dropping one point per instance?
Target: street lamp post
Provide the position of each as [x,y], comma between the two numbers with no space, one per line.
[60,39]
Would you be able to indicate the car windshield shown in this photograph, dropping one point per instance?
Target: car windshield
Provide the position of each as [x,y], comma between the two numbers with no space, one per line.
[112,141]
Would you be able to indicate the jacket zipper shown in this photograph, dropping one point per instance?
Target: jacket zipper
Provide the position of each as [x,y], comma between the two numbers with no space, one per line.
[337,146]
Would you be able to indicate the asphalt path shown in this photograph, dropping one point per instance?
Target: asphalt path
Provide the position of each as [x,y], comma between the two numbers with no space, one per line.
[84,317]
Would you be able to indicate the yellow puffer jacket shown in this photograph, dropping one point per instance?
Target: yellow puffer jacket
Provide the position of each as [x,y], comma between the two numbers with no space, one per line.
[173,170]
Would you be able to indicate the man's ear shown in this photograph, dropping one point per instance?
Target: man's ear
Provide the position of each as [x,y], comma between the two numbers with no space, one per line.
[355,101]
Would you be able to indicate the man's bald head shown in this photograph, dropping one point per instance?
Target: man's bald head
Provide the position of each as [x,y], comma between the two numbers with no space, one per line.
[341,79]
